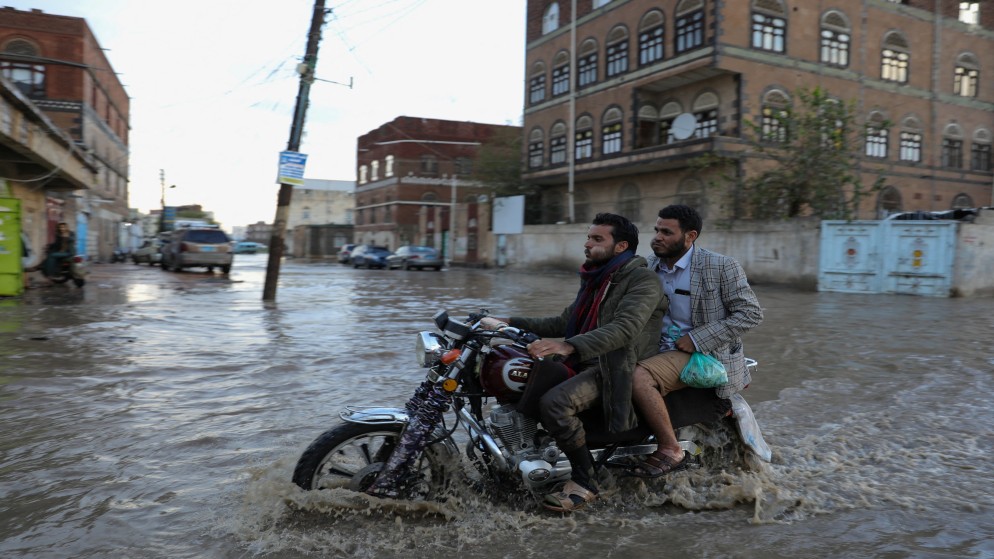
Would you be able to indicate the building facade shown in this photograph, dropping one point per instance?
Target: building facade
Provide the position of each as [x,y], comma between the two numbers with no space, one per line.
[57,63]
[410,172]
[622,100]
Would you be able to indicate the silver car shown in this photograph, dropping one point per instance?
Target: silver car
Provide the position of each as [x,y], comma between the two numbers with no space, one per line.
[412,256]
[205,247]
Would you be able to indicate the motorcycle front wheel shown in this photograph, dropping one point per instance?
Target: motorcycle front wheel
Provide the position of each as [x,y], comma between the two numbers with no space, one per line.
[352,454]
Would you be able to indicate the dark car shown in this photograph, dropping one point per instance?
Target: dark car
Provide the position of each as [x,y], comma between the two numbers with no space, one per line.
[345,253]
[419,257]
[370,256]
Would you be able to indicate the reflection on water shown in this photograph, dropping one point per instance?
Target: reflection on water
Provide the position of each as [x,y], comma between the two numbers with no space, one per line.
[157,414]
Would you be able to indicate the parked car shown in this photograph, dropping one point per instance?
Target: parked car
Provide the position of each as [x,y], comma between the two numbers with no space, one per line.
[248,247]
[411,256]
[370,256]
[149,253]
[345,253]
[191,247]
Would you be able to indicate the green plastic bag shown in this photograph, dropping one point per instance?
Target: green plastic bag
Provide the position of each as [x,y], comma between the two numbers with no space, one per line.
[703,371]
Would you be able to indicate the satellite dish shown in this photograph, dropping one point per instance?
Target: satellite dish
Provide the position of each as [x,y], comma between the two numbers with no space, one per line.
[683,126]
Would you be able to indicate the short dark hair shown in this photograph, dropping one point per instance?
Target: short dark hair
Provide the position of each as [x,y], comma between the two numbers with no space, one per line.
[621,229]
[688,217]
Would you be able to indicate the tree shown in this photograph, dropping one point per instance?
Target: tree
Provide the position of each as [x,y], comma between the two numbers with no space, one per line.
[810,165]
[499,165]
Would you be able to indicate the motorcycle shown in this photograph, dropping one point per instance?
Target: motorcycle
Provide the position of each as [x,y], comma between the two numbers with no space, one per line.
[71,268]
[413,453]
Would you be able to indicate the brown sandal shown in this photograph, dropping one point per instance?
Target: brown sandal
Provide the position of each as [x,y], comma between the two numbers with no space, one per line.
[573,496]
[658,465]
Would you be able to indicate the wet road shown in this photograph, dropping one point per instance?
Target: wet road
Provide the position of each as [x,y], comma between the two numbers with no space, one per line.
[154,414]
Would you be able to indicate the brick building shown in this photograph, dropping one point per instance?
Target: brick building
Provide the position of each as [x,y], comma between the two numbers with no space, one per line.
[407,171]
[57,63]
[923,67]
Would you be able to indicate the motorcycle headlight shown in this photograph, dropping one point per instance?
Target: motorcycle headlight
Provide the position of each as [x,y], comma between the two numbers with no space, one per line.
[429,348]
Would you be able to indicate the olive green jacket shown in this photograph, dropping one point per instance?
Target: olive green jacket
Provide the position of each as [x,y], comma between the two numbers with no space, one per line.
[629,319]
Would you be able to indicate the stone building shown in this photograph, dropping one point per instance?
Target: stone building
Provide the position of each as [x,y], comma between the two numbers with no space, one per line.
[57,63]
[410,172]
[621,99]
[319,218]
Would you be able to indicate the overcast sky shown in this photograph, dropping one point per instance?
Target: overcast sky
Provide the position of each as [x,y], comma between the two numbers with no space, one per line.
[213,84]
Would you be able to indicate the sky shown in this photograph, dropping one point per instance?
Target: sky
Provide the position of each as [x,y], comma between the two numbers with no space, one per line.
[213,85]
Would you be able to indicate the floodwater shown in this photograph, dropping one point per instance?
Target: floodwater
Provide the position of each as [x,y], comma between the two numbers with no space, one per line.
[154,414]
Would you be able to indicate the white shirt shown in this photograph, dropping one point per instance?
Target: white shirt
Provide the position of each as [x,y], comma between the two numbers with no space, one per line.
[676,285]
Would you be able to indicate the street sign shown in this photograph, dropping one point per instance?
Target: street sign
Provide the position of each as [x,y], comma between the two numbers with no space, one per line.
[292,168]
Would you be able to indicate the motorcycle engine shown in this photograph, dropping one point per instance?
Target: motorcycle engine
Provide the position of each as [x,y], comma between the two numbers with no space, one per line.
[515,431]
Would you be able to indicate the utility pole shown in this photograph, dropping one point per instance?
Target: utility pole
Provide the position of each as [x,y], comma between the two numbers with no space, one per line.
[296,130]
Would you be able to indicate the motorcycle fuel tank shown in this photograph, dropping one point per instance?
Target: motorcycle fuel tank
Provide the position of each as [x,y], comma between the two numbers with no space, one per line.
[504,372]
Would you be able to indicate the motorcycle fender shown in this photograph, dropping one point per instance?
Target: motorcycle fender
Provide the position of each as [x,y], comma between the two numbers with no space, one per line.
[749,428]
[375,416]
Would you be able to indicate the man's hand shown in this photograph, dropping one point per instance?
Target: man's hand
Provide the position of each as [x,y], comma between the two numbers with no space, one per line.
[542,348]
[686,344]
[492,322]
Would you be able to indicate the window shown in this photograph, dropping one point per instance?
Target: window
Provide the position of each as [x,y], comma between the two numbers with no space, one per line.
[429,164]
[966,76]
[835,38]
[374,171]
[769,26]
[706,112]
[557,144]
[691,193]
[629,202]
[911,141]
[464,166]
[689,25]
[27,77]
[560,74]
[952,147]
[550,21]
[667,115]
[651,38]
[888,202]
[581,206]
[586,64]
[363,174]
[584,147]
[969,12]
[776,110]
[980,152]
[876,136]
[536,148]
[648,127]
[611,131]
[388,166]
[536,84]
[617,52]
[599,3]
[895,58]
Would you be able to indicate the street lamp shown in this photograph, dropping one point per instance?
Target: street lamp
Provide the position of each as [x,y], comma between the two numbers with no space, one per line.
[162,200]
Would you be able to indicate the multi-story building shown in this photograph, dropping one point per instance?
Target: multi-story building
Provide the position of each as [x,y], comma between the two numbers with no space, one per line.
[623,97]
[57,63]
[410,172]
[320,218]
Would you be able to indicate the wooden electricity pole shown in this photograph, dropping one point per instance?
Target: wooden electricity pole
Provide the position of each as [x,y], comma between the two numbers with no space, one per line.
[306,70]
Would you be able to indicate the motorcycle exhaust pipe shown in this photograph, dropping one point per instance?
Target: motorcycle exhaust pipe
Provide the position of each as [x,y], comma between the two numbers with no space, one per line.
[533,471]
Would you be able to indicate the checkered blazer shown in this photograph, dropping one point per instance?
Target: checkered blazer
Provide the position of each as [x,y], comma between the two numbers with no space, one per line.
[722,308]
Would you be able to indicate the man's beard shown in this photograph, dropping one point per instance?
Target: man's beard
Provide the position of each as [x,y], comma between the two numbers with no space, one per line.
[592,262]
[675,251]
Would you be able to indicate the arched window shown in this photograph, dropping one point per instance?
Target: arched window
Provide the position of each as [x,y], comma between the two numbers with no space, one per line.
[966,75]
[690,192]
[536,84]
[429,164]
[557,144]
[586,64]
[429,197]
[374,171]
[651,41]
[617,51]
[611,131]
[584,140]
[980,153]
[952,147]
[648,127]
[895,58]
[550,21]
[629,202]
[667,115]
[888,202]
[776,112]
[706,112]
[363,174]
[689,25]
[536,148]
[877,135]
[911,140]
[26,76]
[769,25]
[388,167]
[560,74]
[836,36]
[962,202]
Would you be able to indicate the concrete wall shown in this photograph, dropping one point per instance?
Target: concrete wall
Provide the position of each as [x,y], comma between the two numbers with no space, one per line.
[975,257]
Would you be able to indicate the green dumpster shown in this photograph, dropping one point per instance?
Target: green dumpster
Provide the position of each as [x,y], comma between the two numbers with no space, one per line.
[11,251]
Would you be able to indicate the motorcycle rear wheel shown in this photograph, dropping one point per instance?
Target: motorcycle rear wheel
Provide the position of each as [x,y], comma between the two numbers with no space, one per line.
[339,455]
